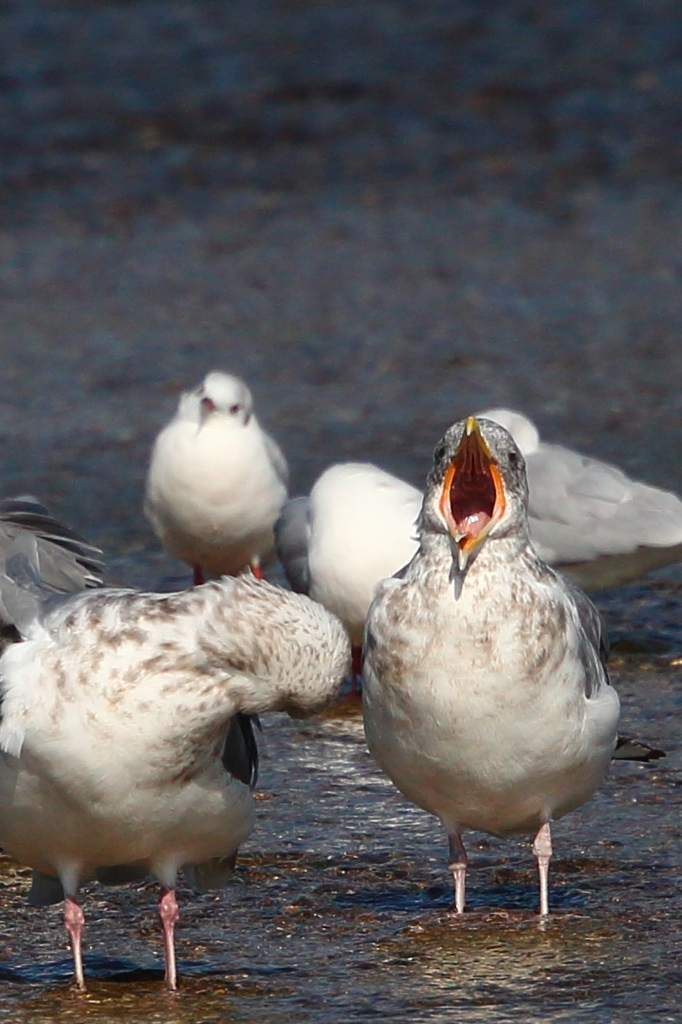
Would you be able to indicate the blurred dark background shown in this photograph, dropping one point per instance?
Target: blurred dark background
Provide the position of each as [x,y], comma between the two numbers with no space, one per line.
[382,214]
[541,97]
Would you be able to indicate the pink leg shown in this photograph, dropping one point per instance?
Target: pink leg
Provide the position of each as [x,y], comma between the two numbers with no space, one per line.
[542,848]
[73,922]
[169,914]
[199,577]
[458,866]
[356,668]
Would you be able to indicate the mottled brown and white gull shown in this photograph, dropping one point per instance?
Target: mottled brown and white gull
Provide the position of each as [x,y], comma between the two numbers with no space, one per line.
[124,741]
[485,695]
[216,481]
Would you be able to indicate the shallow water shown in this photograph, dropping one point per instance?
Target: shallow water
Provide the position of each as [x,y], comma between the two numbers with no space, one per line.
[340,909]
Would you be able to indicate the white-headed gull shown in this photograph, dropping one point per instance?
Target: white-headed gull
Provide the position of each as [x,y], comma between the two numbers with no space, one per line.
[216,481]
[590,519]
[357,526]
[125,746]
[485,696]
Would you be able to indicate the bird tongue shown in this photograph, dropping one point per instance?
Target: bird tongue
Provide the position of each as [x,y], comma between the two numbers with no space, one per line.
[471,525]
[471,510]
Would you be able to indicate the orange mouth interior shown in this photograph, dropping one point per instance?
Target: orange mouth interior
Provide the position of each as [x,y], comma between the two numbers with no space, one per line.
[473,493]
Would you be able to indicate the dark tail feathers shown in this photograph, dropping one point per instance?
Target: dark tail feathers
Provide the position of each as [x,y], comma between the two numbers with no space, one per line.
[634,750]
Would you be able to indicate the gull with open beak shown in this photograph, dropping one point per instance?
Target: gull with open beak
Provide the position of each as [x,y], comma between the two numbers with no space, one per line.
[485,695]
[472,504]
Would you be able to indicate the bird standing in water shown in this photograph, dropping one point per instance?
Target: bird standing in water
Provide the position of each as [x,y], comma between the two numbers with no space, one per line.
[126,747]
[216,481]
[486,699]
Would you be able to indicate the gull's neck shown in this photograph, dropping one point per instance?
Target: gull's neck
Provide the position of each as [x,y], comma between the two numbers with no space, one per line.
[497,555]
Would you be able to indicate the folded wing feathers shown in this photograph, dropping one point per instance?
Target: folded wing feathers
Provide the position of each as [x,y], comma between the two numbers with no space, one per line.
[580,508]
[64,554]
[240,752]
[292,536]
[276,458]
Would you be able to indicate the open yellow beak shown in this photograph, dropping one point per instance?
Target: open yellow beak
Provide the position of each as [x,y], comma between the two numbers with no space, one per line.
[472,499]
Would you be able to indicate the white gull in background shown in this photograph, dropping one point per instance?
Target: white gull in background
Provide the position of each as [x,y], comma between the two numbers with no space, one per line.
[123,729]
[586,517]
[344,564]
[357,526]
[485,696]
[216,481]
[590,519]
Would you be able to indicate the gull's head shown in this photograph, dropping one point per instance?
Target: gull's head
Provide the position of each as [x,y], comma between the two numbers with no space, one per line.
[523,430]
[477,490]
[219,398]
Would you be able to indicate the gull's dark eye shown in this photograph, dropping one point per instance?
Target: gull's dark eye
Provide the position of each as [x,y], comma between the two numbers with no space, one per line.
[234,409]
[439,452]
[513,459]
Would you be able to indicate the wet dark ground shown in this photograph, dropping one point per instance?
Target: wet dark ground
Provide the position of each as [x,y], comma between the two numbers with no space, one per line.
[340,908]
[384,216]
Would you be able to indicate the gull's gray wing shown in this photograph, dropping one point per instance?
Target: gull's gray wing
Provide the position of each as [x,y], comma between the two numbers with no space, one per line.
[277,458]
[580,509]
[24,596]
[41,560]
[591,621]
[292,536]
[67,562]
[627,749]
[594,656]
